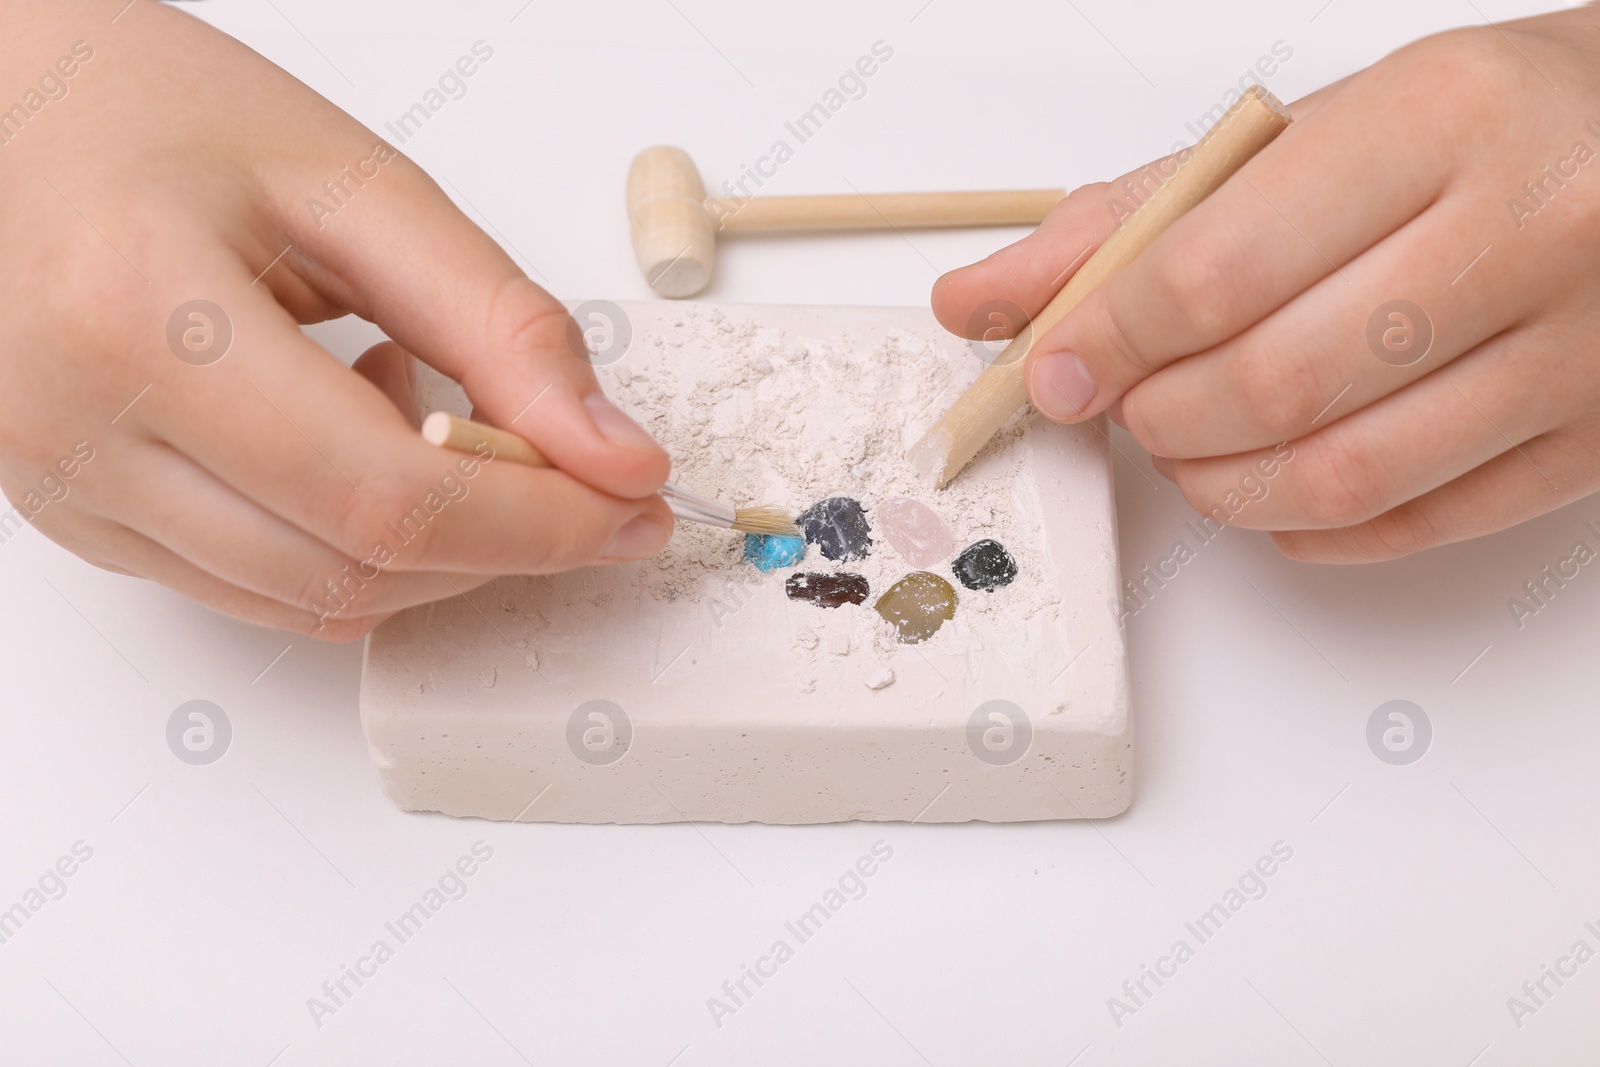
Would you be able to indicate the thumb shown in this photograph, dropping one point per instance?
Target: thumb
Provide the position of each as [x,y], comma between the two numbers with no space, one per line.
[400,254]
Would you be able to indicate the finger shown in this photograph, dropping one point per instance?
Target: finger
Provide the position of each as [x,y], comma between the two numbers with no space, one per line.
[116,548]
[1396,450]
[1318,97]
[402,255]
[154,491]
[1342,344]
[322,448]
[391,368]
[1029,272]
[1540,475]
[1329,187]
[1025,274]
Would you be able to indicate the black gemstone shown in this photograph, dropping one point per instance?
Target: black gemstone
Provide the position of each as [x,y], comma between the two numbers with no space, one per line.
[838,527]
[986,565]
[828,590]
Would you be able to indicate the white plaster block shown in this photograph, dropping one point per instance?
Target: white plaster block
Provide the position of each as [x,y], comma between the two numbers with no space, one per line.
[489,709]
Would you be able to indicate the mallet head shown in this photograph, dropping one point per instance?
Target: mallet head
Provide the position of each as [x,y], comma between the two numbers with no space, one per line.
[674,238]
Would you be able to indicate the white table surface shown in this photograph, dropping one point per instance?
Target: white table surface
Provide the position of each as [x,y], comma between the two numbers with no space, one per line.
[219,898]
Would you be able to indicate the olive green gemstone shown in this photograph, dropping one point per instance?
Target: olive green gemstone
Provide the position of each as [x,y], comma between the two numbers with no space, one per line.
[918,605]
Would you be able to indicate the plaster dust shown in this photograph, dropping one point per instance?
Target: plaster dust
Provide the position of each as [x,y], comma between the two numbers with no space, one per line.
[745,704]
[767,417]
[756,413]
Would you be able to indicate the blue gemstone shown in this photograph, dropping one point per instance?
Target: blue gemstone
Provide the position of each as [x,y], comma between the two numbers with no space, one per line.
[985,565]
[838,527]
[771,551]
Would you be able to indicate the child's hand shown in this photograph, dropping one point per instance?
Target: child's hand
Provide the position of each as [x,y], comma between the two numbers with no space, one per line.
[1404,287]
[158,162]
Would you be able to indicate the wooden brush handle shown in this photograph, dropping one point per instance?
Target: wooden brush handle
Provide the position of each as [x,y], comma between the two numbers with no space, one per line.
[884,211]
[463,435]
[952,441]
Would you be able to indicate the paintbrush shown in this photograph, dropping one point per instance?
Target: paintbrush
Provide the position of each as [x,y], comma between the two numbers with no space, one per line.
[464,435]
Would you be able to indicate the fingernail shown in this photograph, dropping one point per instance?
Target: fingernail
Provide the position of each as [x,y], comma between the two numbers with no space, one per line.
[617,427]
[1163,467]
[1060,385]
[638,538]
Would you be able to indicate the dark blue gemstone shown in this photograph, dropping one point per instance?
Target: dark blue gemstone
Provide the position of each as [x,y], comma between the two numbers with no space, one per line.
[986,565]
[838,527]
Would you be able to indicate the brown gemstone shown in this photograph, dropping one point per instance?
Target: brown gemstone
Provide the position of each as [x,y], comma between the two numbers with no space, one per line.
[828,590]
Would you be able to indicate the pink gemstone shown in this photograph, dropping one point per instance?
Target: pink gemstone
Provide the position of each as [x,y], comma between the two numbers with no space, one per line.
[915,531]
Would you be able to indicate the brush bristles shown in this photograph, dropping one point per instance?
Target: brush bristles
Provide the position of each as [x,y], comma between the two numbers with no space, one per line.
[768,520]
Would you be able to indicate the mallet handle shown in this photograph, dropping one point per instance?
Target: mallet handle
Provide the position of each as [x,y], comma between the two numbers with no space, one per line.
[883,211]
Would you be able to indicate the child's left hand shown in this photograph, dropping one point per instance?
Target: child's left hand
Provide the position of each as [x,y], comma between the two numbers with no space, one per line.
[1404,287]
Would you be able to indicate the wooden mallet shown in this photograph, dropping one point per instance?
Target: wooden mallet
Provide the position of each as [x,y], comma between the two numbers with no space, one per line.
[675,224]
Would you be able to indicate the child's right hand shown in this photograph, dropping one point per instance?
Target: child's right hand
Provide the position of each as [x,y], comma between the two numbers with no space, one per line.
[174,165]
[1400,294]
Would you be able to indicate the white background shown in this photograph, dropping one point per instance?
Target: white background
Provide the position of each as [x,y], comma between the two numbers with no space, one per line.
[1418,898]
